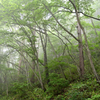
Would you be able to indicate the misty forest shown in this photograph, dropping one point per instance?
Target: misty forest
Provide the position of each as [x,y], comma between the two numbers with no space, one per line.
[49,49]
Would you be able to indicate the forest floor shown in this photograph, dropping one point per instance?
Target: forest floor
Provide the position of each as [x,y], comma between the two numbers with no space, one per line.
[78,90]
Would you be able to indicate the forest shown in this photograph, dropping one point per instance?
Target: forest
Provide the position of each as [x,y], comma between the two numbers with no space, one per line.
[49,49]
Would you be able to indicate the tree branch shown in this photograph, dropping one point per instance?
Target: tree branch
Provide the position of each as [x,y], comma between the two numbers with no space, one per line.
[60,24]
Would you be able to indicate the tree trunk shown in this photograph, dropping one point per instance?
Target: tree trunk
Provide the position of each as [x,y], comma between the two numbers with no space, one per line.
[87,47]
[45,61]
[94,27]
[44,45]
[38,69]
[90,57]
[81,56]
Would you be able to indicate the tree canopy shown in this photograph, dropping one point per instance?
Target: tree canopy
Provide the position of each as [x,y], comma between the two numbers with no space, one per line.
[48,46]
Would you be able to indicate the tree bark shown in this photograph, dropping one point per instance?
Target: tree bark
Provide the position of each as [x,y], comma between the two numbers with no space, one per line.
[81,56]
[44,45]
[87,47]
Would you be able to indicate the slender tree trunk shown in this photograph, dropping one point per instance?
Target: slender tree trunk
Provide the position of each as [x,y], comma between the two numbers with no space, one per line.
[90,57]
[81,56]
[87,47]
[20,63]
[94,27]
[52,47]
[27,72]
[44,45]
[45,62]
[38,68]
[62,72]
[6,83]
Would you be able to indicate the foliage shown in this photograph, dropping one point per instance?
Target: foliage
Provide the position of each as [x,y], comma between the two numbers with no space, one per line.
[20,89]
[60,97]
[40,49]
[95,97]
[57,85]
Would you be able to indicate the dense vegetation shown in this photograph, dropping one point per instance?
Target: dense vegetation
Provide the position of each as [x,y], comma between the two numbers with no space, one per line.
[49,50]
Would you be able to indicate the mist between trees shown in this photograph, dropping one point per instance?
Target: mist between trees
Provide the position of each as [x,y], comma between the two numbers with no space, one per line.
[46,44]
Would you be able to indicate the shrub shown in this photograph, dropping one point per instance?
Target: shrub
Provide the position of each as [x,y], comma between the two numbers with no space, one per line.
[95,97]
[57,86]
[71,72]
[60,97]
[20,89]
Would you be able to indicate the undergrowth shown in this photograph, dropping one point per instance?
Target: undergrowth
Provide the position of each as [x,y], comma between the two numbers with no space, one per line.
[56,90]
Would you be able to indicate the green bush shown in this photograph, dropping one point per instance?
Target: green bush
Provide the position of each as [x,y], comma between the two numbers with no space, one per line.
[75,95]
[78,91]
[78,95]
[60,97]
[19,90]
[80,86]
[23,91]
[71,72]
[57,86]
[95,97]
